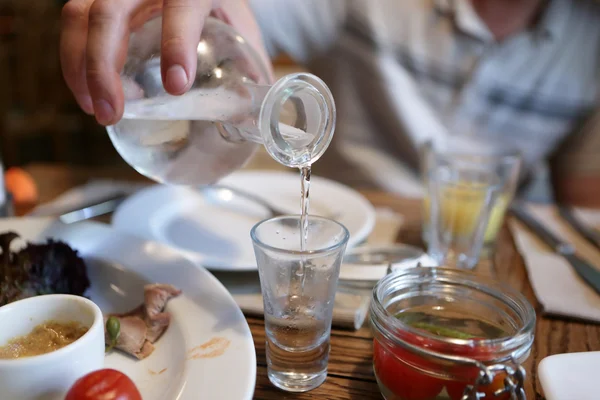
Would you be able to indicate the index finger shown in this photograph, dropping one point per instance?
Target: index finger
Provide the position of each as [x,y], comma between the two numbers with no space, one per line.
[182,24]
[106,51]
[73,42]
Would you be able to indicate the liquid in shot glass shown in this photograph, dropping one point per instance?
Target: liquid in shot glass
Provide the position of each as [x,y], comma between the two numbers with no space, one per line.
[298,287]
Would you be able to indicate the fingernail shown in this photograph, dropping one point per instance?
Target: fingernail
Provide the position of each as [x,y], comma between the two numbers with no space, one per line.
[177,79]
[104,111]
[86,104]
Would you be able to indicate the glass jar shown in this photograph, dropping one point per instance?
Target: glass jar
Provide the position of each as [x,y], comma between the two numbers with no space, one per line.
[442,333]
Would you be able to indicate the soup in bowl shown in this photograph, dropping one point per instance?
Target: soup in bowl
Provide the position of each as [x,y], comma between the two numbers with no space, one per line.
[47,343]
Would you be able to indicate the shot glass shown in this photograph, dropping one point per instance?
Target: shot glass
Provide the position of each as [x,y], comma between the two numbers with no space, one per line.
[461,198]
[502,161]
[298,284]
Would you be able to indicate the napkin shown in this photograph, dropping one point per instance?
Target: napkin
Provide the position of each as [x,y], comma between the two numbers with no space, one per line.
[557,286]
[387,226]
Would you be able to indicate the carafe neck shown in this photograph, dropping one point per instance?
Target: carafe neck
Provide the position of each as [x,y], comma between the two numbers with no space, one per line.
[295,120]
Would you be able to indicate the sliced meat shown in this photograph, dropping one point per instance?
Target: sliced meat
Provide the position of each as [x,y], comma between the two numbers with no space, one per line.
[157,326]
[132,336]
[155,299]
[146,350]
[145,324]
[139,311]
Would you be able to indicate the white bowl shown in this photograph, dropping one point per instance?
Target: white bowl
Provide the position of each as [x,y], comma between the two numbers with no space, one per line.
[49,376]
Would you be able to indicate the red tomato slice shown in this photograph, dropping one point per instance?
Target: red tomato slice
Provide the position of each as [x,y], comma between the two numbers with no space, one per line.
[104,384]
[405,382]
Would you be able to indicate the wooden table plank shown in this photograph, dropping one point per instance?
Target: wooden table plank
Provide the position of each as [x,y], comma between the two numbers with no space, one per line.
[334,388]
[350,367]
[350,356]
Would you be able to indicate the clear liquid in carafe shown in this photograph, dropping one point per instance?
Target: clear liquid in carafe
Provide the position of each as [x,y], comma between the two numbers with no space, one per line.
[168,137]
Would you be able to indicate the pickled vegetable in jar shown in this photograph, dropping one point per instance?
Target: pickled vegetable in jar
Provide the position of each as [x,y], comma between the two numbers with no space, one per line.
[449,334]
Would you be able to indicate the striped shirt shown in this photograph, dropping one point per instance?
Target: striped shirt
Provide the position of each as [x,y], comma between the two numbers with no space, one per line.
[406,71]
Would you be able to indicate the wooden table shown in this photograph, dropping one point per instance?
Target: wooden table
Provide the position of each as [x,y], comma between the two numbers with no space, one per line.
[350,369]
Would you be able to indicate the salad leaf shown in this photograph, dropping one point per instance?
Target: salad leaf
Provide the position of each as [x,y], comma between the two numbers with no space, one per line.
[48,268]
[411,320]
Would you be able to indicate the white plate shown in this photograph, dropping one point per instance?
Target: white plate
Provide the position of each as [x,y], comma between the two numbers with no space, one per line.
[217,236]
[572,376]
[118,266]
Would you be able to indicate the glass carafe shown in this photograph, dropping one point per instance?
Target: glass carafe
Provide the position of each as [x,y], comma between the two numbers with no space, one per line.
[214,128]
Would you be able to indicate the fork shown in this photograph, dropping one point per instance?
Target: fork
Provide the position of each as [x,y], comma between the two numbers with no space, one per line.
[226,193]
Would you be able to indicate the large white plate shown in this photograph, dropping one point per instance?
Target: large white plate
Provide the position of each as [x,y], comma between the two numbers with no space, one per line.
[217,236]
[118,266]
[572,376]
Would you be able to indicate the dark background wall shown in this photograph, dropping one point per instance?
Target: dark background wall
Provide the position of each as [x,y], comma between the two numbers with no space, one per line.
[39,120]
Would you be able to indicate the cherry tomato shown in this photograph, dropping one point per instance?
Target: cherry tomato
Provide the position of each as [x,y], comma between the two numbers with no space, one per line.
[404,381]
[104,384]
[456,389]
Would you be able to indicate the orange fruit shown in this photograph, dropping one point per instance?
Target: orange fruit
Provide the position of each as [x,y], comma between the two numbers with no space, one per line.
[21,185]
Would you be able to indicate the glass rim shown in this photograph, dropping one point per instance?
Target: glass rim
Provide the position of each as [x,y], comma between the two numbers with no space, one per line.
[480,160]
[519,342]
[490,153]
[330,249]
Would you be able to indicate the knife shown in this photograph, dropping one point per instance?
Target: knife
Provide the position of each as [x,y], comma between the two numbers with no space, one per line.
[590,235]
[94,209]
[587,272]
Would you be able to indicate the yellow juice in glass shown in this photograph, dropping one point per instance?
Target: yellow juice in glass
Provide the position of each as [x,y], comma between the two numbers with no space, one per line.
[461,207]
[496,218]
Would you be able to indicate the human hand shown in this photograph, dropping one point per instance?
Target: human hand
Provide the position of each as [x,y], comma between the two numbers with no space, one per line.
[93,47]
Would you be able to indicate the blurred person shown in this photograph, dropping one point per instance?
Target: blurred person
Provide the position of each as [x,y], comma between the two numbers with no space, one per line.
[518,73]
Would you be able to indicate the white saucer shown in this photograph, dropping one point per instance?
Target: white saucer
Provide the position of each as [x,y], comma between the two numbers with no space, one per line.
[217,234]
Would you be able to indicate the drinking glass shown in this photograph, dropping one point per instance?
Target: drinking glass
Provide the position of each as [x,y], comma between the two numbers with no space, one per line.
[500,160]
[298,284]
[461,197]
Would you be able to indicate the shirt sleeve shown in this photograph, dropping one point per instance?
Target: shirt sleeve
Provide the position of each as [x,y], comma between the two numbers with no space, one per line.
[299,28]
